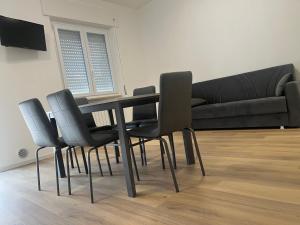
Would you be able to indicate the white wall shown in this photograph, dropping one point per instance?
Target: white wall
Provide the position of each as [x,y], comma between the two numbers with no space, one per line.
[216,38]
[23,74]
[213,38]
[26,74]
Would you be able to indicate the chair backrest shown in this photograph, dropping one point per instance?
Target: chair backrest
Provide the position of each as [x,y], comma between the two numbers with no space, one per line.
[144,112]
[69,118]
[88,117]
[42,132]
[174,112]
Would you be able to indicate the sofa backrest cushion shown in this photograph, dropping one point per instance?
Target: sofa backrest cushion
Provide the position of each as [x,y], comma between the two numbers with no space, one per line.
[257,84]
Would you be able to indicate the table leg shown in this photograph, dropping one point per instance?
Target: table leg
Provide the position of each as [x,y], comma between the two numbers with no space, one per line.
[125,152]
[60,160]
[112,123]
[188,145]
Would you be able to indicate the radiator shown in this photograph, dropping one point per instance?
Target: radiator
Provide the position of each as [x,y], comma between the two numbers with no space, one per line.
[101,118]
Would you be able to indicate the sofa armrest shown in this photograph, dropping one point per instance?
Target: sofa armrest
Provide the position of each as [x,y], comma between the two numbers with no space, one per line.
[292,93]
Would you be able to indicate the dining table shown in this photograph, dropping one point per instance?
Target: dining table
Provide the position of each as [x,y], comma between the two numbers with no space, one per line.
[117,105]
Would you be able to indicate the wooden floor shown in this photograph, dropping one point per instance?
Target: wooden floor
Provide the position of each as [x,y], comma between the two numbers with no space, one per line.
[253,178]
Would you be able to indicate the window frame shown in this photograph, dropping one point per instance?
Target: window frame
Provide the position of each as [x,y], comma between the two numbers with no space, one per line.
[83,31]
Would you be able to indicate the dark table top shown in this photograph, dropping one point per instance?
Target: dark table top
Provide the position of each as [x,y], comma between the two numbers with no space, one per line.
[123,102]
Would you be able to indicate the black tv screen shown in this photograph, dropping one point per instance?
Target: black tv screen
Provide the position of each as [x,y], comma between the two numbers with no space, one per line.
[22,34]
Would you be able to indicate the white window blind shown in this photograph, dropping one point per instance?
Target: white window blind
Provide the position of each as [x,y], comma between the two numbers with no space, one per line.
[100,62]
[85,60]
[73,59]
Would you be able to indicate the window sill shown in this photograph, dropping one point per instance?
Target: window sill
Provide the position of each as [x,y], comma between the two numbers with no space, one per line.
[102,97]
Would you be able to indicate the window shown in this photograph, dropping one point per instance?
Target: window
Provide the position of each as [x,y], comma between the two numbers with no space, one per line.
[85,59]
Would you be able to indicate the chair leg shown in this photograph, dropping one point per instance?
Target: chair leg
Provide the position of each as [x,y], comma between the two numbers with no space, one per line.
[142,152]
[162,152]
[99,164]
[68,170]
[38,168]
[56,173]
[171,140]
[134,161]
[76,159]
[107,159]
[198,151]
[170,164]
[71,159]
[117,152]
[90,175]
[84,160]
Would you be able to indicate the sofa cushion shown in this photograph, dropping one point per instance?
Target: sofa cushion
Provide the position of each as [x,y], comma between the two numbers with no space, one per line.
[258,121]
[197,102]
[252,85]
[241,108]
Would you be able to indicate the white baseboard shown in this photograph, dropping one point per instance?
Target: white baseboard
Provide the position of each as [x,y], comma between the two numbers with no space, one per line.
[23,163]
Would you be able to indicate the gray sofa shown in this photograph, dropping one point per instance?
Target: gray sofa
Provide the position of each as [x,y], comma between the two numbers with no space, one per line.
[259,99]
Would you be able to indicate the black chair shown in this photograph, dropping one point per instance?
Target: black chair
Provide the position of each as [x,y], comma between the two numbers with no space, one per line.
[143,115]
[91,124]
[88,117]
[76,133]
[142,112]
[43,134]
[174,114]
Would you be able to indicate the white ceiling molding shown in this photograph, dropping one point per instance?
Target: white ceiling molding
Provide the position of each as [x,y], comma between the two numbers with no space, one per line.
[135,4]
[75,10]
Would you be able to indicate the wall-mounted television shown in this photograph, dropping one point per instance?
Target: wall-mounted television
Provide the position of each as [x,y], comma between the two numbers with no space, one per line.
[22,34]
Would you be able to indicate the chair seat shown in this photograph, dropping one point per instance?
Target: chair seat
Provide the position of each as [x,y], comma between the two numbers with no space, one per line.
[138,123]
[61,142]
[129,125]
[102,128]
[260,106]
[148,122]
[150,131]
[103,137]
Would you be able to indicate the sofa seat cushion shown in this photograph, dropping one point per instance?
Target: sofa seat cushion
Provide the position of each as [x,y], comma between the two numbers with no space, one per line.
[259,106]
[197,102]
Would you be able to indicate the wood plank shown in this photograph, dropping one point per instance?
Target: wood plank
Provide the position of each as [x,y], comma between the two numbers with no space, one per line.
[253,177]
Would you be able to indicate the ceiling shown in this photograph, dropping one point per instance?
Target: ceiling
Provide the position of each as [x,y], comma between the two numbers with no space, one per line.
[130,3]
